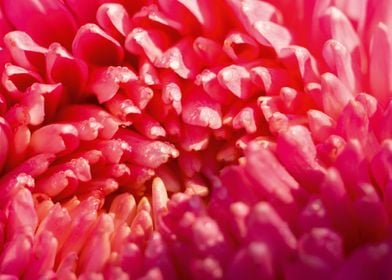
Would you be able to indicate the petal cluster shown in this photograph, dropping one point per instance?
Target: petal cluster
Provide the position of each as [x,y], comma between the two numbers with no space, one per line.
[173,139]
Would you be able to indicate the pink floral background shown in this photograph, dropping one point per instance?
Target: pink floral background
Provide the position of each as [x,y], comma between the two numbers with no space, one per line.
[196,139]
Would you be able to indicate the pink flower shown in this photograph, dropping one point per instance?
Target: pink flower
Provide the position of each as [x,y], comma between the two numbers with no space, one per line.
[170,139]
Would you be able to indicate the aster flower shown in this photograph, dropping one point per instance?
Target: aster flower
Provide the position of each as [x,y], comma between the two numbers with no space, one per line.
[178,139]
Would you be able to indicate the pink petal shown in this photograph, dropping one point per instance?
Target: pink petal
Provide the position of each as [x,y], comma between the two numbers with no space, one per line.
[236,79]
[296,141]
[43,255]
[152,43]
[24,51]
[335,96]
[59,63]
[181,59]
[84,11]
[109,125]
[381,165]
[64,137]
[265,225]
[152,16]
[60,26]
[253,260]
[146,152]
[105,82]
[240,47]
[208,79]
[270,79]
[16,80]
[209,50]
[338,205]
[380,64]
[94,46]
[56,221]
[4,142]
[340,63]
[258,19]
[370,213]
[278,184]
[97,249]
[140,95]
[335,25]
[200,110]
[114,19]
[300,63]
[320,125]
[15,256]
[22,216]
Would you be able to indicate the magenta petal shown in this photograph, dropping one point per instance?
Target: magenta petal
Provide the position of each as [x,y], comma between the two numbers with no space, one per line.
[30,16]
[94,46]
